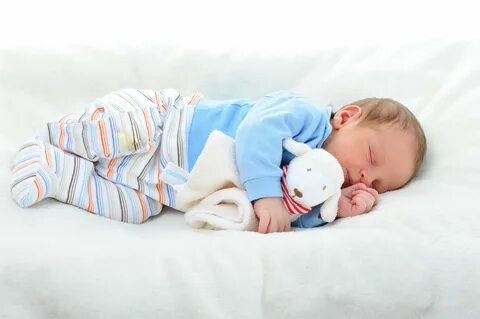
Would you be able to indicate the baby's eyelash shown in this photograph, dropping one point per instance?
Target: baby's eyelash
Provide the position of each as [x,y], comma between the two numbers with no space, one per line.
[370,151]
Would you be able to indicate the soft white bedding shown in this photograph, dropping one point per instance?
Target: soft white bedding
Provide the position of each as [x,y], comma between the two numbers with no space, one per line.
[417,255]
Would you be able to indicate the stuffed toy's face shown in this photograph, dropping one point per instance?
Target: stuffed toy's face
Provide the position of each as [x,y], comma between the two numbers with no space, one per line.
[313,177]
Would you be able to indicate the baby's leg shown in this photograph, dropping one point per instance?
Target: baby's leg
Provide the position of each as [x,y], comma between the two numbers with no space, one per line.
[121,123]
[42,170]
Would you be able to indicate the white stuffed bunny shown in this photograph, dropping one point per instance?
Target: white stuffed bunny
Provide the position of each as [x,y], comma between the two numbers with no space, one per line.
[313,177]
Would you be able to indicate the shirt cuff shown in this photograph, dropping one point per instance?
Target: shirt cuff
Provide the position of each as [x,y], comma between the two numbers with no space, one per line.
[310,219]
[263,187]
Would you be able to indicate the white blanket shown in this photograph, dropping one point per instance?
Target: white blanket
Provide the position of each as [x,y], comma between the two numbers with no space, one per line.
[416,255]
[213,196]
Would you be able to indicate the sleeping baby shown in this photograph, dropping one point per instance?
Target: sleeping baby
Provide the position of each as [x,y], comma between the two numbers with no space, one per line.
[108,159]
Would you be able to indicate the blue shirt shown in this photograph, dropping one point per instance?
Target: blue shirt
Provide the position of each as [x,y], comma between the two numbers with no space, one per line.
[259,128]
[310,219]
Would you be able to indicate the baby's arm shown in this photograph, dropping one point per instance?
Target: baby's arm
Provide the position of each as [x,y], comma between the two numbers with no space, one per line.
[356,199]
[259,150]
[260,135]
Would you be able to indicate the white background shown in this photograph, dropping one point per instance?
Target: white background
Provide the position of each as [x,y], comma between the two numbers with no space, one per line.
[273,26]
[417,254]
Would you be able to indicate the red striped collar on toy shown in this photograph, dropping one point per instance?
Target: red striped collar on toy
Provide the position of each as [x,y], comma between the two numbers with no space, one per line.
[293,207]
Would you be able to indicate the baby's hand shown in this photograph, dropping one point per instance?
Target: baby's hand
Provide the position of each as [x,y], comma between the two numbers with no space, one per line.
[356,199]
[273,215]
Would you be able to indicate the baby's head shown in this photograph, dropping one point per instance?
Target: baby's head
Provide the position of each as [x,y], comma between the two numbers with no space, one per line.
[378,142]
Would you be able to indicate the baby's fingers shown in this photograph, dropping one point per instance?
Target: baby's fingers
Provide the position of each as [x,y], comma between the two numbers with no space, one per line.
[374,192]
[348,191]
[286,227]
[264,223]
[367,198]
[273,227]
[359,205]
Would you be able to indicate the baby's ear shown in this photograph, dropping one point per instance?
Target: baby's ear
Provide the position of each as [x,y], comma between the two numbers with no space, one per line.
[296,148]
[346,114]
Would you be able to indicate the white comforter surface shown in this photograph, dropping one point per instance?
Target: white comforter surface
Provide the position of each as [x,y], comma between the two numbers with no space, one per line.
[417,255]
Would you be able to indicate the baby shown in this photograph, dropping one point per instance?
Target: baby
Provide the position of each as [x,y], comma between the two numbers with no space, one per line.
[108,159]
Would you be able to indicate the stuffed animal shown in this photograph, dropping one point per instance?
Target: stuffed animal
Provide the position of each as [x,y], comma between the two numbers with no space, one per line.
[312,177]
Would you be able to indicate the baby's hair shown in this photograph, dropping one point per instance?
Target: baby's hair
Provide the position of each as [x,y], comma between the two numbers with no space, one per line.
[388,111]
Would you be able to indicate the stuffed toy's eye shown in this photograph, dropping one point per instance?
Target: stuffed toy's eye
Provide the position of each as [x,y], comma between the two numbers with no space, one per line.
[324,187]
[309,169]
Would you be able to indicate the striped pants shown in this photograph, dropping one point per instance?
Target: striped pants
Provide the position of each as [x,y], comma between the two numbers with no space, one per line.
[108,159]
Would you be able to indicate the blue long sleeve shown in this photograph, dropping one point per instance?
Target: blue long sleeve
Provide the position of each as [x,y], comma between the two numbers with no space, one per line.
[310,219]
[260,135]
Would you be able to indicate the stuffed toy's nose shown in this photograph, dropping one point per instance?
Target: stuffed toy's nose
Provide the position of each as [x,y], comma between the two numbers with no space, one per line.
[297,192]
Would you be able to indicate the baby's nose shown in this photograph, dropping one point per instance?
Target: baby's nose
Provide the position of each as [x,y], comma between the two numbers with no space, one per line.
[364,178]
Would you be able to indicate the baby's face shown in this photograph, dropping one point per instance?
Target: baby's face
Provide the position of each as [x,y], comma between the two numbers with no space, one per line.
[381,156]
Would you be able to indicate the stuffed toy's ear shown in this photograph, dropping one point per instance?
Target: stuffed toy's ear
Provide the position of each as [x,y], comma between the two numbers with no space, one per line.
[328,211]
[296,148]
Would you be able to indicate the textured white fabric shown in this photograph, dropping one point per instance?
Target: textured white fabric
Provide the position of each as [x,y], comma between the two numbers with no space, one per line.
[213,196]
[416,255]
